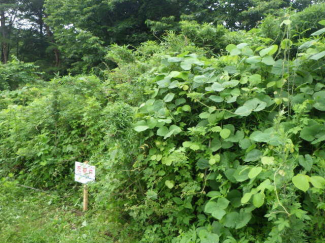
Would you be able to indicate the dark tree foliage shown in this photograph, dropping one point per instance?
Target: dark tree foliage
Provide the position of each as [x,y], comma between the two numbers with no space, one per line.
[74,35]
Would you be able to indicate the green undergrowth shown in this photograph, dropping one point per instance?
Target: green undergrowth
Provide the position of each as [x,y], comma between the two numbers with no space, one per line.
[188,147]
[31,216]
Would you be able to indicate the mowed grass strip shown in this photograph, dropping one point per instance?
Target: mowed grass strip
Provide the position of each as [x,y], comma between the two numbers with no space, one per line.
[30,216]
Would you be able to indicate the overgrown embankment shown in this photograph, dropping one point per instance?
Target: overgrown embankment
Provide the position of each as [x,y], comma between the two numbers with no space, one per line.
[190,147]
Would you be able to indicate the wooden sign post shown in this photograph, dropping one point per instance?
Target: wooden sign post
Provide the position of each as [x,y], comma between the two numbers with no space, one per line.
[85,201]
[84,174]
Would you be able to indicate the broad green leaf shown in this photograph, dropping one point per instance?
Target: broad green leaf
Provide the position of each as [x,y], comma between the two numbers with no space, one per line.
[255,79]
[269,51]
[215,98]
[231,69]
[245,143]
[180,101]
[320,138]
[169,97]
[235,52]
[223,203]
[213,194]
[216,209]
[230,174]
[269,136]
[174,59]
[243,219]
[306,162]
[170,184]
[271,84]
[253,60]
[313,131]
[231,219]
[173,130]
[258,199]
[230,84]
[246,197]
[214,159]
[266,184]
[225,133]
[267,160]
[210,207]
[186,65]
[241,173]
[195,146]
[141,128]
[219,213]
[164,83]
[230,47]
[188,61]
[202,164]
[243,111]
[213,118]
[250,106]
[216,129]
[174,84]
[152,122]
[204,115]
[268,60]
[187,144]
[255,171]
[247,51]
[301,182]
[318,32]
[186,108]
[318,182]
[215,144]
[239,136]
[217,87]
[308,44]
[253,155]
[152,195]
[322,22]
[201,79]
[319,98]
[162,131]
[318,55]
[208,237]
[234,196]
[241,45]
[177,200]
[279,67]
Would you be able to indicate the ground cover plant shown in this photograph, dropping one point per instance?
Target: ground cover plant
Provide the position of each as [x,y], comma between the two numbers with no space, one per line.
[35,216]
[206,135]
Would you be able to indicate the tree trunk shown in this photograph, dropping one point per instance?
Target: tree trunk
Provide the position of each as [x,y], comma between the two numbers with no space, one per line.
[55,50]
[41,22]
[4,42]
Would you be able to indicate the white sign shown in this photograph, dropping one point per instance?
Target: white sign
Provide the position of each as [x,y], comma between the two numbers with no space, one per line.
[84,173]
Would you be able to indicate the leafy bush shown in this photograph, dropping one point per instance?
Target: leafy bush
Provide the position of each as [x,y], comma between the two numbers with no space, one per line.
[41,140]
[229,142]
[16,74]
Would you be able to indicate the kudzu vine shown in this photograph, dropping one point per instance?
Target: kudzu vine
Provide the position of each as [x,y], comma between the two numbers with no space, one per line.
[230,148]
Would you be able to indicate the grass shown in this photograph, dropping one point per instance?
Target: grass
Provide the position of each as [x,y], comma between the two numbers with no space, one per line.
[30,216]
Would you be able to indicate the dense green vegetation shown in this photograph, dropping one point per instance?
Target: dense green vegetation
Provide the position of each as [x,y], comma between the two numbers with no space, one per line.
[202,127]
[28,216]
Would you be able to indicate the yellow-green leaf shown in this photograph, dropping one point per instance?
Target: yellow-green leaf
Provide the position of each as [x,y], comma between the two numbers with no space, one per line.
[317,181]
[301,182]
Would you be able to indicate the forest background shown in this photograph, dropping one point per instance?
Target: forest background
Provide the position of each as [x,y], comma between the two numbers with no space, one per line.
[205,119]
